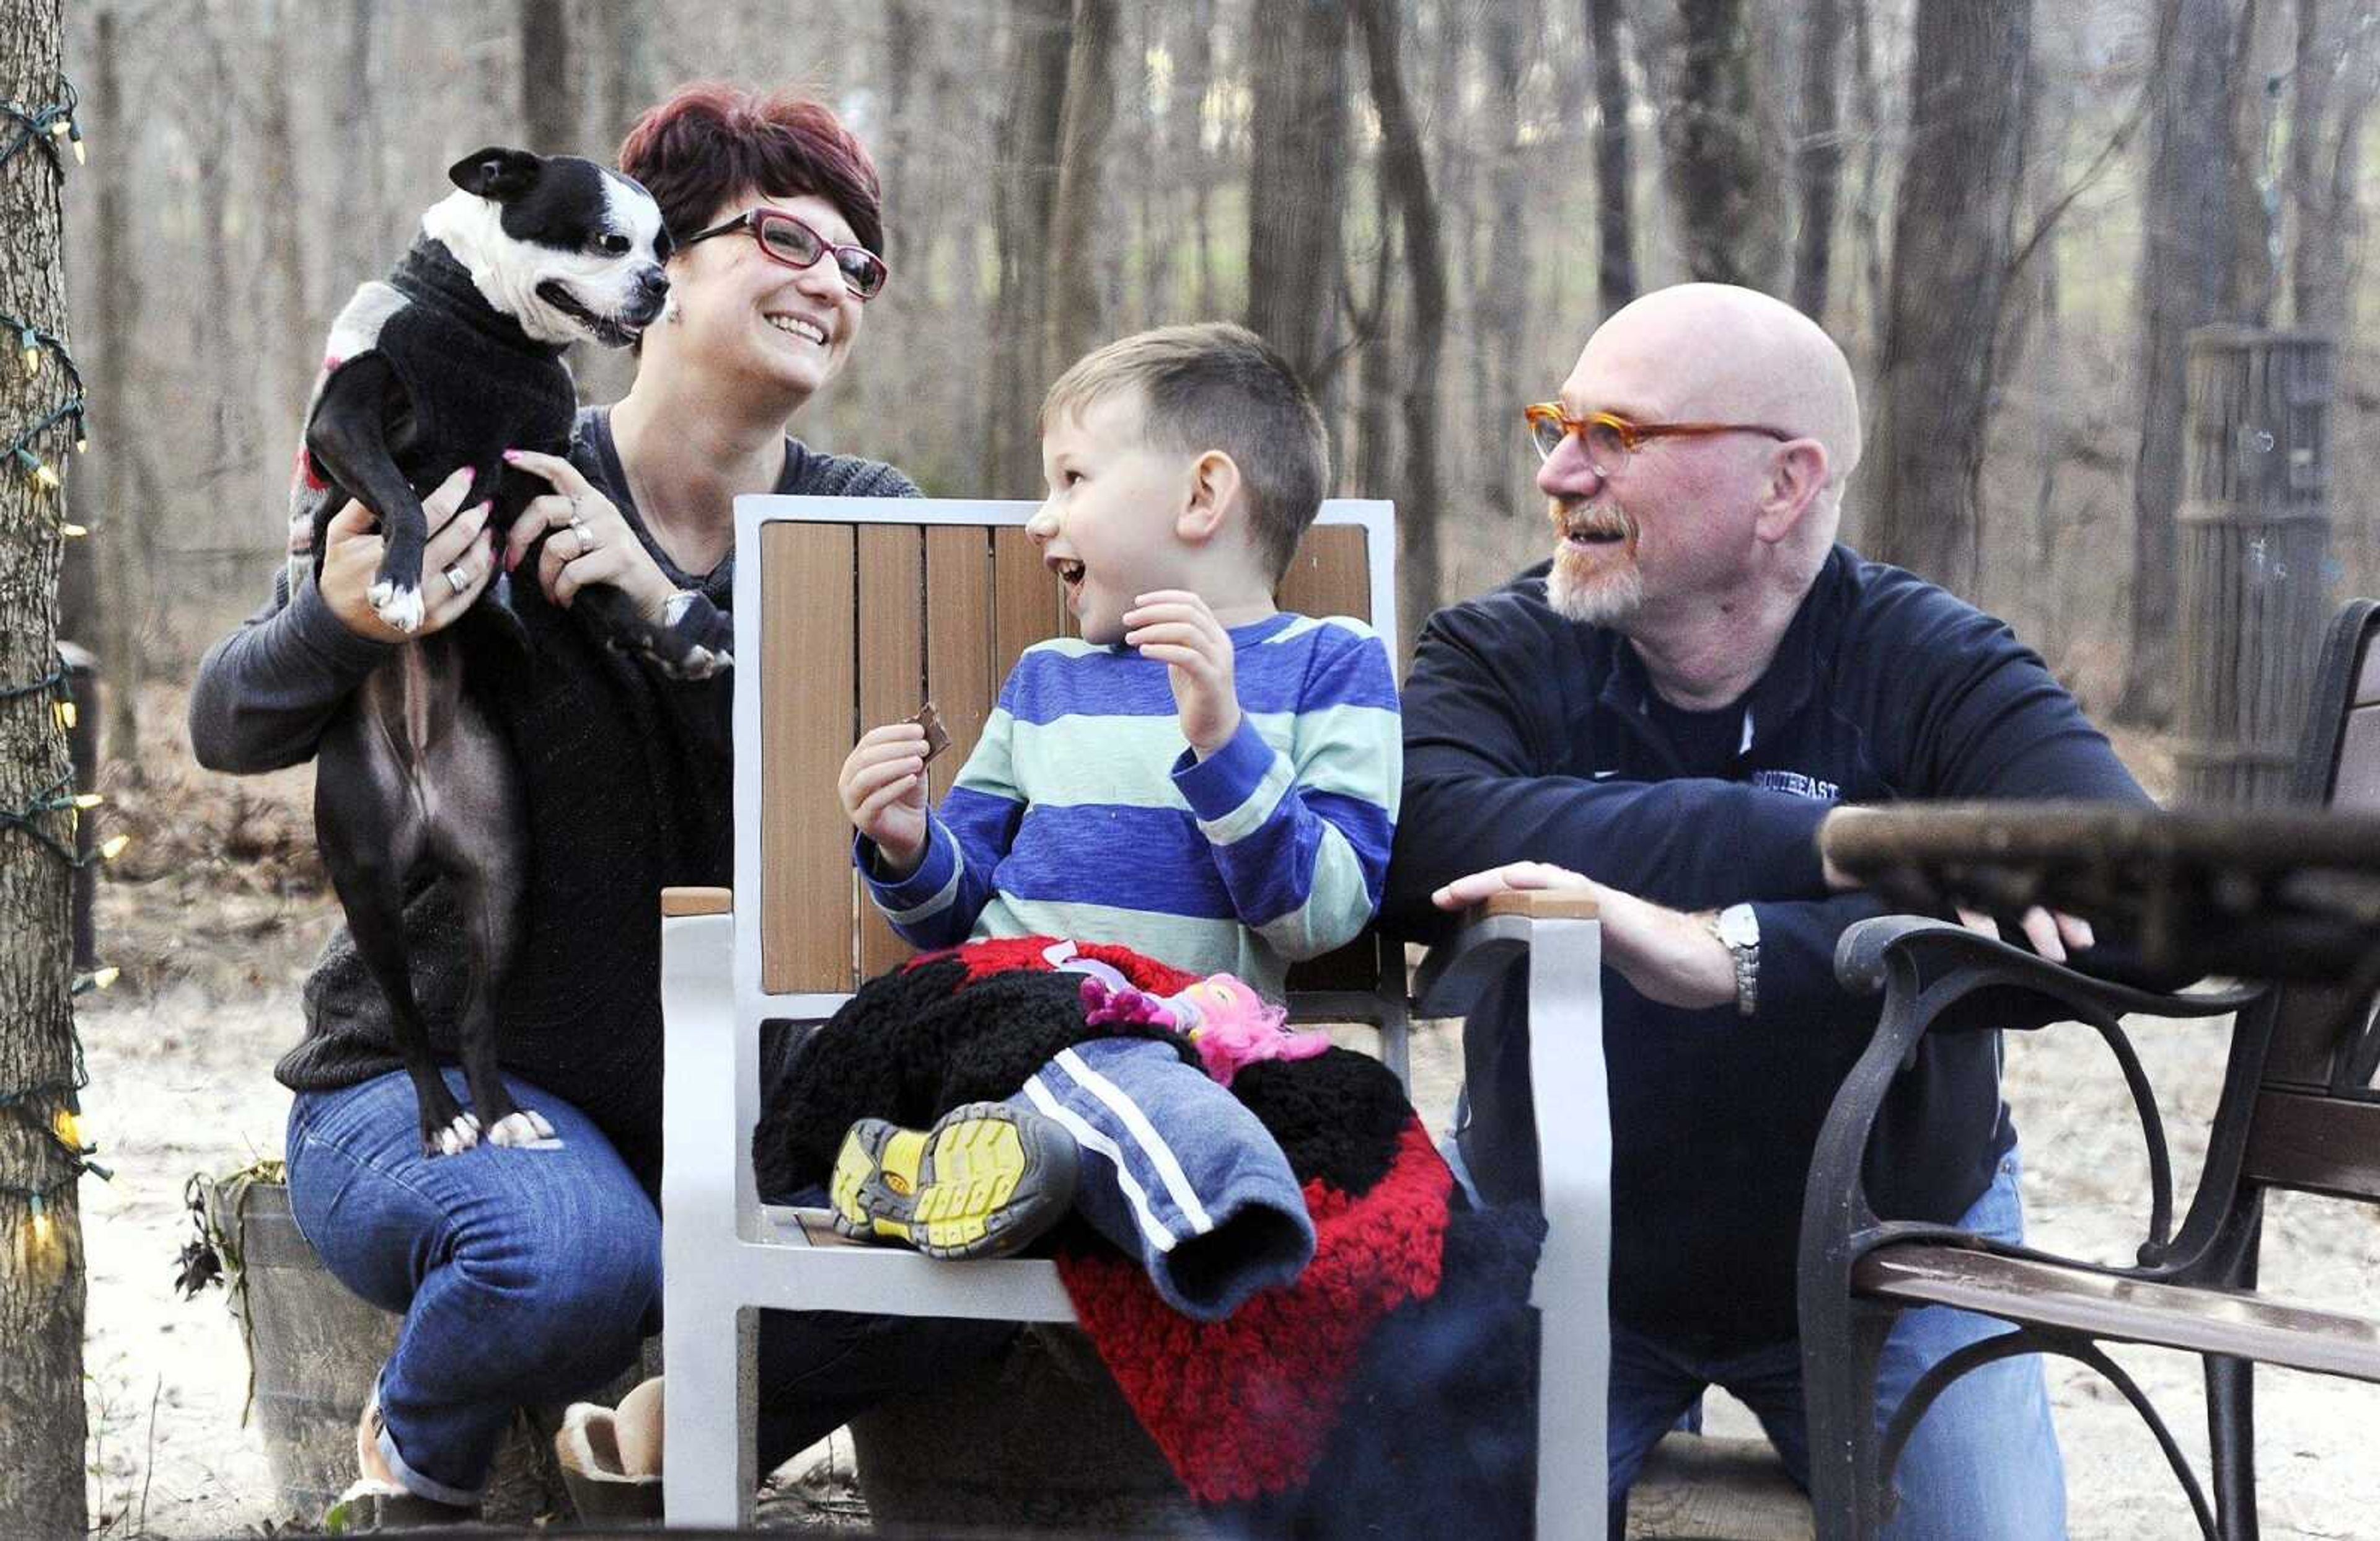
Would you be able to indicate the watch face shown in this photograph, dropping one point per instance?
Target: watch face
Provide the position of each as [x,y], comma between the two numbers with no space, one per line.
[1738,926]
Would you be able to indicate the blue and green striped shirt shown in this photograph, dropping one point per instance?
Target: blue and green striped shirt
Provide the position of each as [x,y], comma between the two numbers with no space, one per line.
[1082,813]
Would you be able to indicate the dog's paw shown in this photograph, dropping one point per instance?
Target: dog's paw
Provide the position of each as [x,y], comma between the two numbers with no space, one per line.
[523,1130]
[455,1137]
[399,604]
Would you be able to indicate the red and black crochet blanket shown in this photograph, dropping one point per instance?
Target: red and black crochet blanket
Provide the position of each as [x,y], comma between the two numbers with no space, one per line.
[1390,1391]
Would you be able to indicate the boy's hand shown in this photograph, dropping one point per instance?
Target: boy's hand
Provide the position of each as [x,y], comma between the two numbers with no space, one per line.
[1175,626]
[884,792]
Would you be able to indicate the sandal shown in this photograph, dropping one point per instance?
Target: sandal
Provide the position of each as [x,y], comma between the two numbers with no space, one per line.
[378,1503]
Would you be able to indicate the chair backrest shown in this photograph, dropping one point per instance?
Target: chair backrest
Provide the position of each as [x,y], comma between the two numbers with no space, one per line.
[2316,1119]
[854,611]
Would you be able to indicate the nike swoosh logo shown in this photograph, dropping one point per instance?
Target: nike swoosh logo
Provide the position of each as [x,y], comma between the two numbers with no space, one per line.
[1604,775]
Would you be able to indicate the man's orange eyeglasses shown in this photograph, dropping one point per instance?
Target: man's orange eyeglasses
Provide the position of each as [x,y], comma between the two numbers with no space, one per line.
[1610,439]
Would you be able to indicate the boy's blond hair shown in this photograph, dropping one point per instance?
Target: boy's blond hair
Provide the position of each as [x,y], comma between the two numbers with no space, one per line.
[1216,386]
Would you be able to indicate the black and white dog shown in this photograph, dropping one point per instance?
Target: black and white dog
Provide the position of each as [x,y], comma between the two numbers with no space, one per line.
[456,357]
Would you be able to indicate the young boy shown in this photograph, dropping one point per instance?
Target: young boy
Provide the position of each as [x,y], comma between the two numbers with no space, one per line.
[1200,777]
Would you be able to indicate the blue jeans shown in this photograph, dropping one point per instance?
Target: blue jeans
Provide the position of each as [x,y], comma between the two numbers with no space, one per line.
[528,1277]
[1982,1461]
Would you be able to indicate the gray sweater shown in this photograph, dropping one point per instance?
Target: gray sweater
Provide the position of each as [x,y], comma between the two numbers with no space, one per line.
[627,778]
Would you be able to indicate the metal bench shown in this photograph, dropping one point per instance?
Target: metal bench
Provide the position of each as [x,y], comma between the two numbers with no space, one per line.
[2291,896]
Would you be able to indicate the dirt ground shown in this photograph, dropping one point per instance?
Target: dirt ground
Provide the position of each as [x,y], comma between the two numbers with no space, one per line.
[217,909]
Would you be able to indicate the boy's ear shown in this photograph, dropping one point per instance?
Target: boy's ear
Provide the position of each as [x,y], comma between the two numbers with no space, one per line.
[1214,497]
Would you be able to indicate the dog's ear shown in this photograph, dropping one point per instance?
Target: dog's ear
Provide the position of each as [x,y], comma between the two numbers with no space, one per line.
[497,172]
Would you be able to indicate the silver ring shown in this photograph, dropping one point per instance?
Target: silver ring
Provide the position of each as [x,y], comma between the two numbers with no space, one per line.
[456,577]
[586,542]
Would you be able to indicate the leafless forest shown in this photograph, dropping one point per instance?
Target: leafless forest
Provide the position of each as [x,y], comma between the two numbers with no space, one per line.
[2010,212]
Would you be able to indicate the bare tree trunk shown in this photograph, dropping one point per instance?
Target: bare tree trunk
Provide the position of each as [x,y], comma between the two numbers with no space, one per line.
[549,83]
[2186,258]
[2255,192]
[1722,187]
[2334,61]
[1614,171]
[1198,75]
[1297,185]
[1870,117]
[1078,305]
[1510,38]
[1951,245]
[1028,173]
[42,1276]
[1373,471]
[623,33]
[121,541]
[1819,162]
[358,249]
[300,339]
[1404,169]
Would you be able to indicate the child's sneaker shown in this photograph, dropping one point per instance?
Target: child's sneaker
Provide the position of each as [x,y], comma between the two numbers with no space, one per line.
[983,1182]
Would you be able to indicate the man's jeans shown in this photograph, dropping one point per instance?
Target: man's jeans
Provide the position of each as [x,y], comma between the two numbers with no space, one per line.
[1982,1461]
[528,1277]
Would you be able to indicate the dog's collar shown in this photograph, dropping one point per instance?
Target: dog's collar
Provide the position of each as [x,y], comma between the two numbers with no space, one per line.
[429,274]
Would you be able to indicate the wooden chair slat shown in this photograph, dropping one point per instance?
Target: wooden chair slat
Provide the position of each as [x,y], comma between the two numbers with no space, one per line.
[1027,605]
[961,669]
[1328,576]
[2323,1145]
[891,679]
[810,659]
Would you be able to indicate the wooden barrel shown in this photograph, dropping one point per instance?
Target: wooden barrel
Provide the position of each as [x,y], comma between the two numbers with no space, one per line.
[2254,548]
[1037,1439]
[313,1349]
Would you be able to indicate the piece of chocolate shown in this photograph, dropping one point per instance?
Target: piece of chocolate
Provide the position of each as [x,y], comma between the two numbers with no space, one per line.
[938,737]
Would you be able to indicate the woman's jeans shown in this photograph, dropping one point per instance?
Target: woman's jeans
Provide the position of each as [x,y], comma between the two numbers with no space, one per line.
[528,1277]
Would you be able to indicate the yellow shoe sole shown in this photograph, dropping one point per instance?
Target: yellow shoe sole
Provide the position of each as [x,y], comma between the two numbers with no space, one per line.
[984,1181]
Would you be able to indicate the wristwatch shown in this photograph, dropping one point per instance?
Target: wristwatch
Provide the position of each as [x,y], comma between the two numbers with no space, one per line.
[1738,931]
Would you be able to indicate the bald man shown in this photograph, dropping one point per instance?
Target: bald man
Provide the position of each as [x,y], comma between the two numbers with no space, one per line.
[1672,706]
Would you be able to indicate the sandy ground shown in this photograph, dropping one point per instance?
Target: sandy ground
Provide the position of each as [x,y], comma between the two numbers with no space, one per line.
[217,910]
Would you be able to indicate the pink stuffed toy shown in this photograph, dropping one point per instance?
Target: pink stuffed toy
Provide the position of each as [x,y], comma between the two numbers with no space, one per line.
[1228,1021]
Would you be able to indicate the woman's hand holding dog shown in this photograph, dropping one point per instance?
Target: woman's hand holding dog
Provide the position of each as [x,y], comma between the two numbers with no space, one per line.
[591,541]
[884,792]
[460,548]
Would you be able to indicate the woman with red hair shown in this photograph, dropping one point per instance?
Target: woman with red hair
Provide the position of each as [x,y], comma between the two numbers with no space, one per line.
[529,1276]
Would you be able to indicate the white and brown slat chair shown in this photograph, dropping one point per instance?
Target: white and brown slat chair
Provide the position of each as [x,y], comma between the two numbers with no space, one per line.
[850,611]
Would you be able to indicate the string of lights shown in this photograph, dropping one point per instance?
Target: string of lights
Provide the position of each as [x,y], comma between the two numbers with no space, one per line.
[45,126]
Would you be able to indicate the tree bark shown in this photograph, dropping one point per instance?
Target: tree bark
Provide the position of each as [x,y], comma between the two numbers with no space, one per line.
[2186,259]
[1027,177]
[1297,131]
[1870,117]
[42,1276]
[2335,62]
[357,241]
[1077,313]
[1406,171]
[1729,224]
[624,30]
[1615,194]
[1819,161]
[120,542]
[1198,75]
[549,83]
[1510,37]
[1951,245]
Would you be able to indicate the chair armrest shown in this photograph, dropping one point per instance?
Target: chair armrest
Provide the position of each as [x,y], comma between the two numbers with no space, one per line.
[1494,933]
[1867,952]
[677,901]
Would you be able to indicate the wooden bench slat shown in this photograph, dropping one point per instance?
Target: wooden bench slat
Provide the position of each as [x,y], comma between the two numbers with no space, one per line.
[959,663]
[2323,1145]
[2196,1317]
